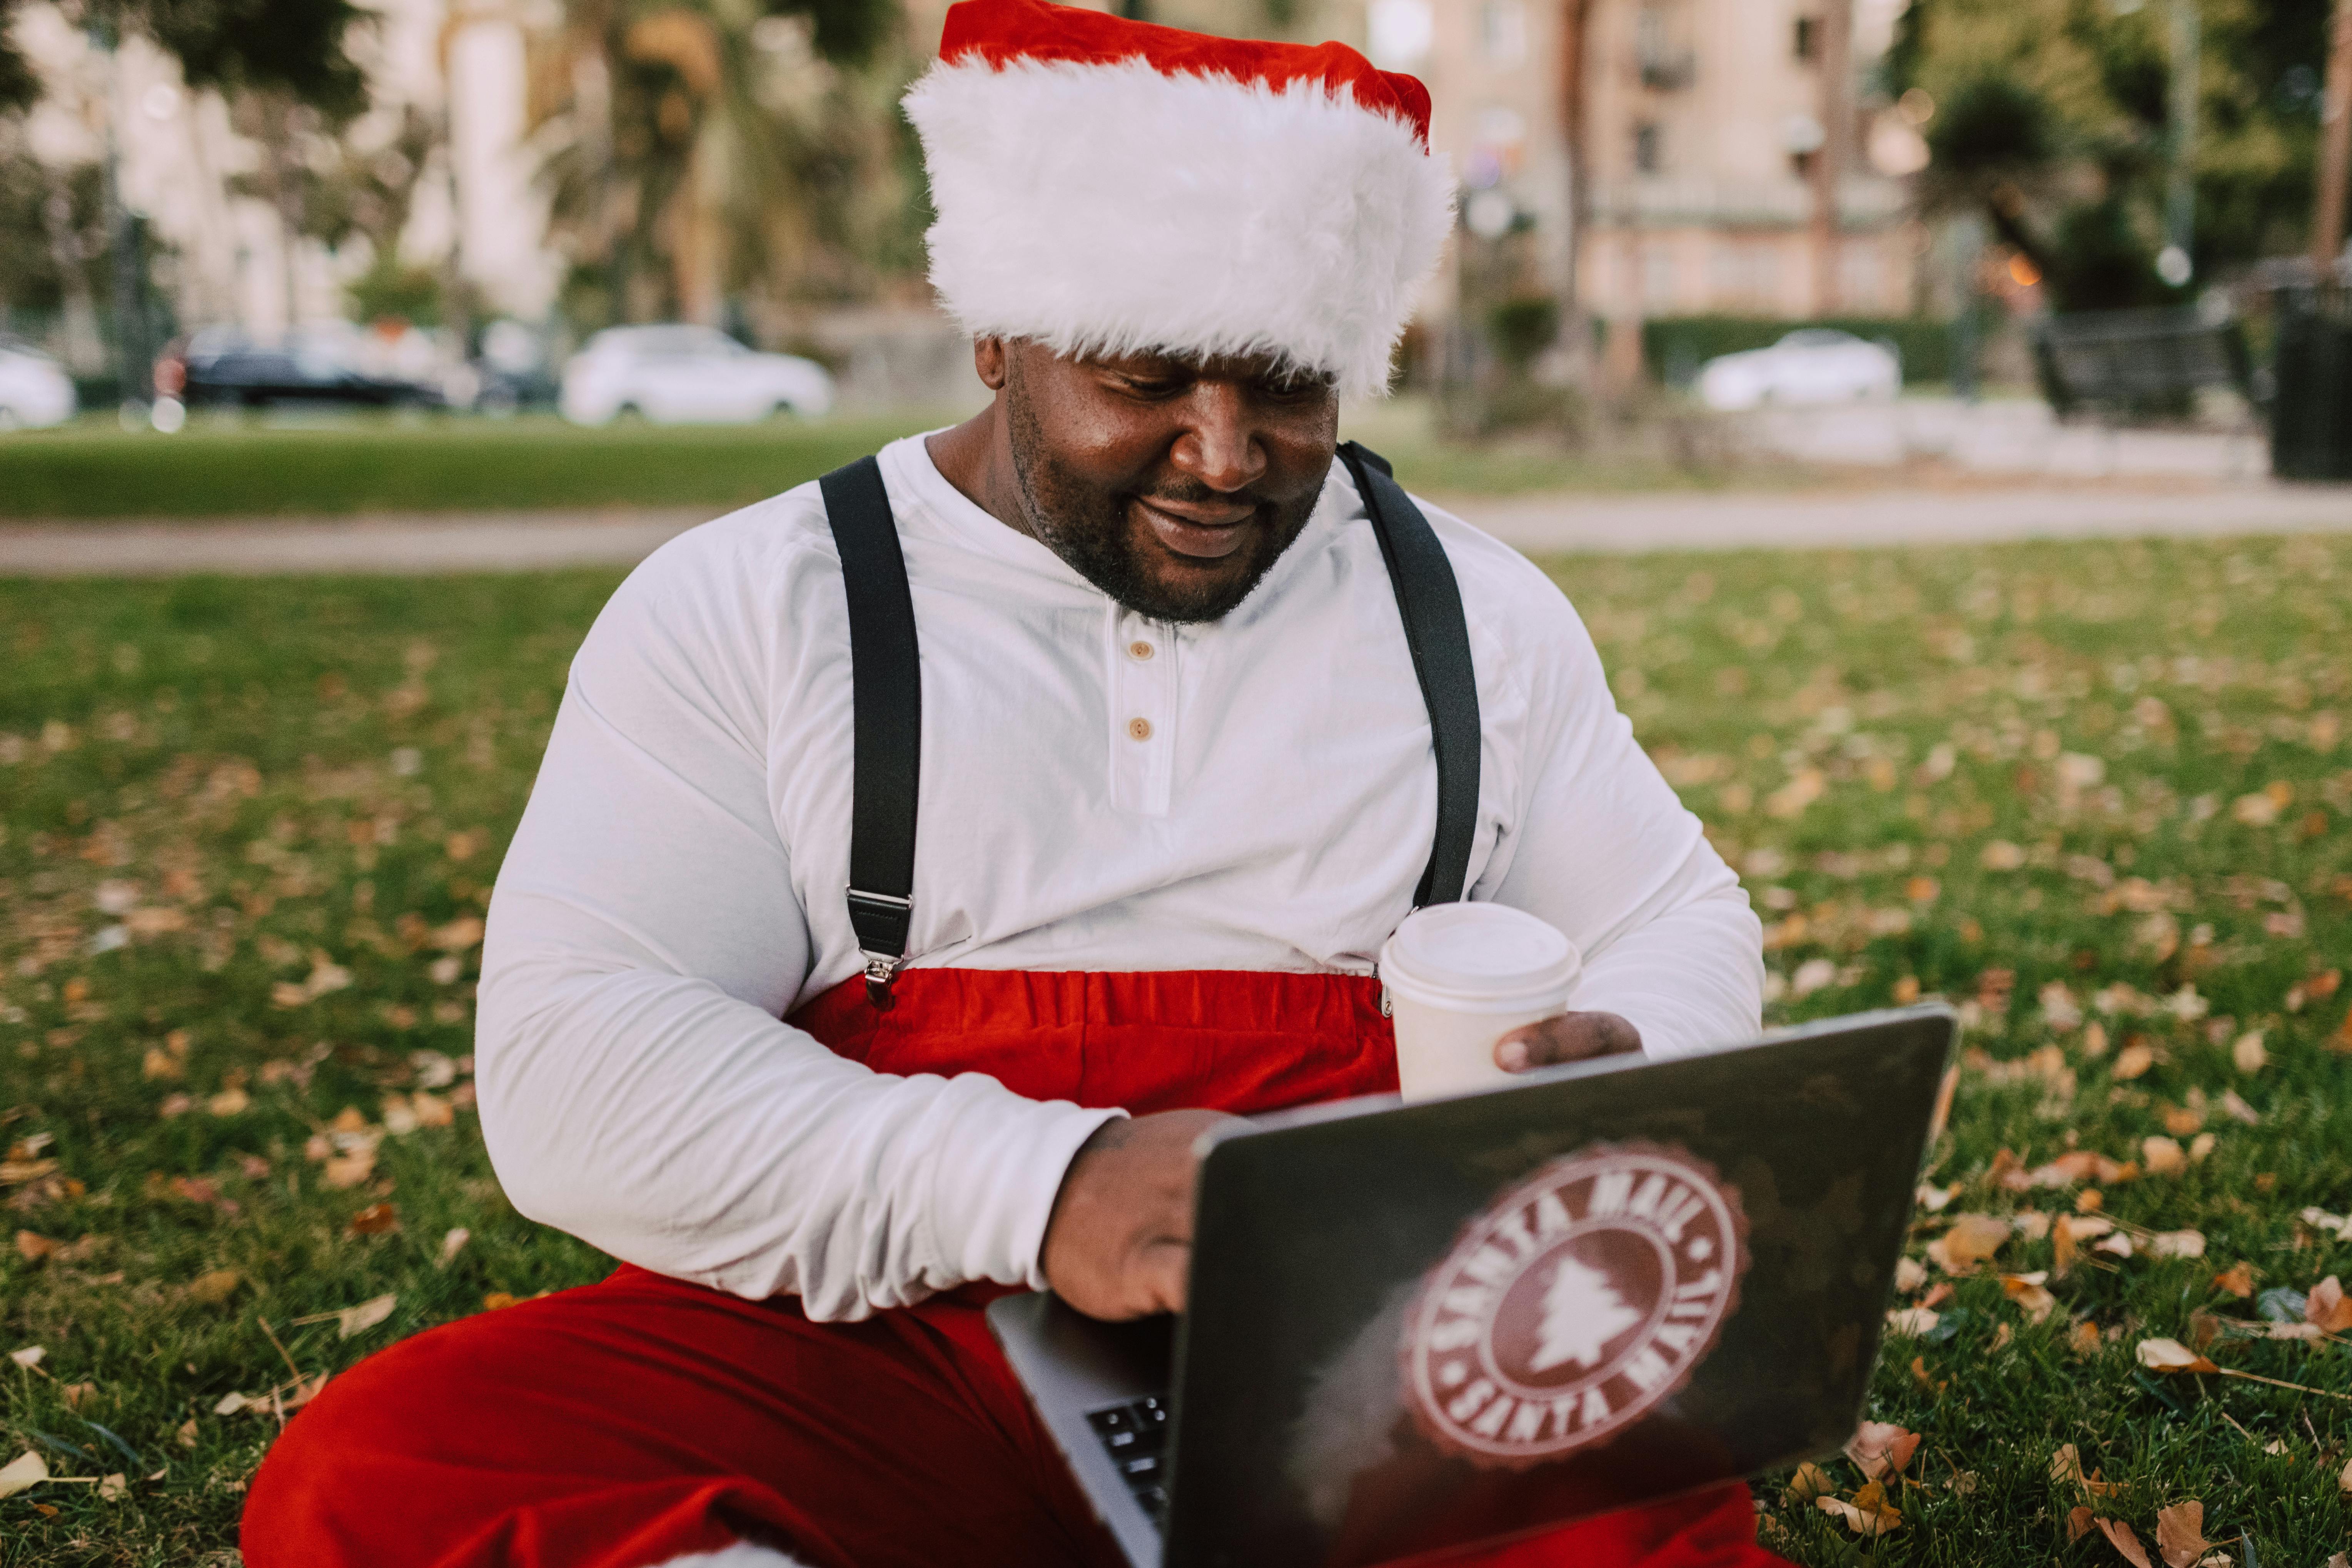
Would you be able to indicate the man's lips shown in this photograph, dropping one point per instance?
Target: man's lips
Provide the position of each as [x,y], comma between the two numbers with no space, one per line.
[1205,534]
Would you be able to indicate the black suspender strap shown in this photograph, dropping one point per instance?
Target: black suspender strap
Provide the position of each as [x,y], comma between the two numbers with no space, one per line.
[1431,604]
[887,717]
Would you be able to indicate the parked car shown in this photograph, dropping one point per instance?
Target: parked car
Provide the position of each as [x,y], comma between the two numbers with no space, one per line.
[513,369]
[682,375]
[1812,365]
[34,388]
[224,366]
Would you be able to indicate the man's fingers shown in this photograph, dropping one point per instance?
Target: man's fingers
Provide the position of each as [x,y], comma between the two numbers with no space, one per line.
[1165,1269]
[1570,1037]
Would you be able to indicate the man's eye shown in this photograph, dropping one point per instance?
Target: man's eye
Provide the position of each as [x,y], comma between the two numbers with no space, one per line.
[1290,388]
[1153,386]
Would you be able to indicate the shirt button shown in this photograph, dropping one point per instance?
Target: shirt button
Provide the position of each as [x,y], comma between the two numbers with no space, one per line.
[1138,729]
[1139,650]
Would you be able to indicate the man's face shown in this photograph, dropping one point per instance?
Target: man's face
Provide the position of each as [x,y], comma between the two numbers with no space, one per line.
[1171,485]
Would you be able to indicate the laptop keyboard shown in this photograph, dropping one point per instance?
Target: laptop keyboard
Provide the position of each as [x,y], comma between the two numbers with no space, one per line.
[1135,1434]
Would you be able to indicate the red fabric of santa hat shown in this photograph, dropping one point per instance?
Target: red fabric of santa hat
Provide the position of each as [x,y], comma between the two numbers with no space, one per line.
[1109,186]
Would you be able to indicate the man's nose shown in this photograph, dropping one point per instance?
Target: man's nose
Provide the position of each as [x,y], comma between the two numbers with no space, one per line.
[1219,445]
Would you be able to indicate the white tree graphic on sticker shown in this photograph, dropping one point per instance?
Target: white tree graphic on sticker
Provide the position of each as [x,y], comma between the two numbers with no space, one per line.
[1582,1312]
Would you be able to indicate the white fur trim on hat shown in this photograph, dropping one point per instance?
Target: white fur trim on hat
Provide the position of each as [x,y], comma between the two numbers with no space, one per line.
[1115,209]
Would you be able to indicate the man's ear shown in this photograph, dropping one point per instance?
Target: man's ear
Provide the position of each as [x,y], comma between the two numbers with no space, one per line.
[991,362]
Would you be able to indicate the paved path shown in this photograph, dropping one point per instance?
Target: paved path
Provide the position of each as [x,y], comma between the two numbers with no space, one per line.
[515,542]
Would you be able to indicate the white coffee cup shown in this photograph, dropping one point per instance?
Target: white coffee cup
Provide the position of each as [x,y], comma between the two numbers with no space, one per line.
[1461,976]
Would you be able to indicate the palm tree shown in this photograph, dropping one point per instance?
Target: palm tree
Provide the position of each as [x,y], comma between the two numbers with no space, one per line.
[700,151]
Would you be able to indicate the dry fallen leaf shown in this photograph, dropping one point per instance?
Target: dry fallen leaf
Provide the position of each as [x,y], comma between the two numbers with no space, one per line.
[2133,1061]
[2237,1107]
[187,1433]
[29,1357]
[2180,1533]
[33,1247]
[1972,1239]
[1913,1320]
[454,1243]
[2078,1522]
[494,1299]
[1869,1515]
[2249,1055]
[376,1220]
[229,1102]
[2238,1279]
[366,1315]
[211,1289]
[350,1170]
[2171,1355]
[114,1486]
[458,935]
[2084,1338]
[2029,1292]
[1809,1482]
[2177,1243]
[2120,1536]
[27,1469]
[2162,1157]
[2327,1307]
[1880,1448]
[2344,1481]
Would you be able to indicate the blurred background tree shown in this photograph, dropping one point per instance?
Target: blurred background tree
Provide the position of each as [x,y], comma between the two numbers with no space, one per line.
[2052,117]
[713,156]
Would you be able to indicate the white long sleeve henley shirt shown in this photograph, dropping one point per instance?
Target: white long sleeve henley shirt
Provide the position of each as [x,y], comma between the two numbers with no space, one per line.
[1100,792]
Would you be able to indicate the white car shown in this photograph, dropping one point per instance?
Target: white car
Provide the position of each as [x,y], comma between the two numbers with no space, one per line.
[1812,365]
[688,376]
[34,388]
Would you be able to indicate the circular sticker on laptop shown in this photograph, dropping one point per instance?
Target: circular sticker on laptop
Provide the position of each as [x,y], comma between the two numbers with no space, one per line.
[1574,1303]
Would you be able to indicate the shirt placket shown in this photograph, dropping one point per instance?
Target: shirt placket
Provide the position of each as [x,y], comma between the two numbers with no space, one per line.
[1140,654]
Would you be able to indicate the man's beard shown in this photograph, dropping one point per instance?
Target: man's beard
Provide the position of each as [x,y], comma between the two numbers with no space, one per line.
[1091,529]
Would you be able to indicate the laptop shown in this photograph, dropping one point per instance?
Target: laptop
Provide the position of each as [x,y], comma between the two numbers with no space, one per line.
[1414,1328]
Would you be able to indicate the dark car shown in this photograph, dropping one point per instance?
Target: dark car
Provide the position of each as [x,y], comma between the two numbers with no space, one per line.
[221,366]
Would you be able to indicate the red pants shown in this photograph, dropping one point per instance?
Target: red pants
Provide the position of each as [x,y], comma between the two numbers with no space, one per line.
[626,1422]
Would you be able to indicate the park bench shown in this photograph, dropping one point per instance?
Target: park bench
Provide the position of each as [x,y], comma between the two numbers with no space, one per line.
[2140,363]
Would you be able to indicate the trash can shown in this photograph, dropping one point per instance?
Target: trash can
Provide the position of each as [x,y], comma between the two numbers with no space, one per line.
[2311,409]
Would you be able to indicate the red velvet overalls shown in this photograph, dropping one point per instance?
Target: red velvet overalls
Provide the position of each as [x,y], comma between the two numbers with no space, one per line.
[626,1422]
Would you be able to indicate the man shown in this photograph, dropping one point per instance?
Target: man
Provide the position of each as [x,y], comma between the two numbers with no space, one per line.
[1175,788]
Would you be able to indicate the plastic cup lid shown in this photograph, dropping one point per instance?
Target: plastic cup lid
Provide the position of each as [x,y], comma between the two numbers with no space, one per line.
[1479,953]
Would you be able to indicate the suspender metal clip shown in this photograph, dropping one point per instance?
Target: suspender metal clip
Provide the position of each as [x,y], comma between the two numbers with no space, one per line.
[880,921]
[880,971]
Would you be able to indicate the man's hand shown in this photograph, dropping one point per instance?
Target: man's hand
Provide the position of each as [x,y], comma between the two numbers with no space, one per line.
[1120,1237]
[1570,1037]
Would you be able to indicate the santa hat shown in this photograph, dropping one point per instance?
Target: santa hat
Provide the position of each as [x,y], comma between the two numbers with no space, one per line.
[1111,186]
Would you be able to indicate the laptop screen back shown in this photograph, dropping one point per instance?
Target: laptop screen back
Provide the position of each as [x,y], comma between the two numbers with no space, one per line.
[1483,1317]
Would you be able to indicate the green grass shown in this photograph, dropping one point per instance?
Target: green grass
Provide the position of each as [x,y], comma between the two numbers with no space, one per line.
[231,467]
[235,467]
[241,778]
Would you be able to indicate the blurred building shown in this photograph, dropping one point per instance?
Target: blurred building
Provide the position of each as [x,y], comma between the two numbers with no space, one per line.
[196,167]
[1701,127]
[1714,130]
